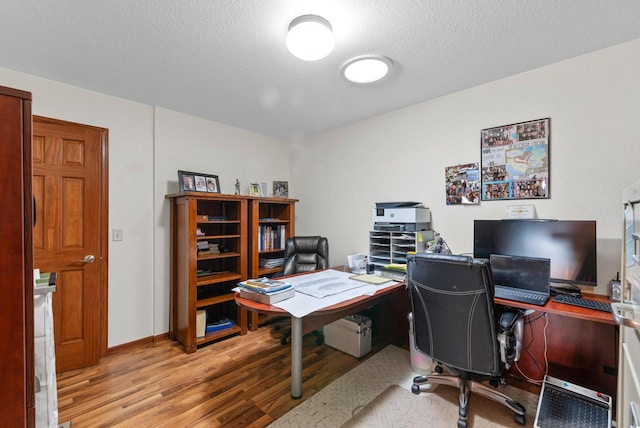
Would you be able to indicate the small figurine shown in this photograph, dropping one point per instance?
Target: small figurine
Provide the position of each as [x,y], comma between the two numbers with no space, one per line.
[237,185]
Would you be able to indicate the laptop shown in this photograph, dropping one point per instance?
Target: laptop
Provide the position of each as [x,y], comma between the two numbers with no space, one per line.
[521,279]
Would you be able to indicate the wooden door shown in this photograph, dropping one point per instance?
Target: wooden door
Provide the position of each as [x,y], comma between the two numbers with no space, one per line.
[69,186]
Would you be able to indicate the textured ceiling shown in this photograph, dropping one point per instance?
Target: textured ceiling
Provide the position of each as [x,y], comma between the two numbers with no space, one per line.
[226,60]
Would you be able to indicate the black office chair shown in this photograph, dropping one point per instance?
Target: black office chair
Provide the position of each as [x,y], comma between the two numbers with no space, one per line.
[454,323]
[304,254]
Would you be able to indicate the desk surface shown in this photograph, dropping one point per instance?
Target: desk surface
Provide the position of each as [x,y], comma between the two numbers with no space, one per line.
[566,310]
[315,320]
[325,315]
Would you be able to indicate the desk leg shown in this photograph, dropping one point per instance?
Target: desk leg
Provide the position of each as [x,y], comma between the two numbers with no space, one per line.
[296,357]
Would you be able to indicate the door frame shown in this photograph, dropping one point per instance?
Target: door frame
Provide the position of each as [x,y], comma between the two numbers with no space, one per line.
[104,227]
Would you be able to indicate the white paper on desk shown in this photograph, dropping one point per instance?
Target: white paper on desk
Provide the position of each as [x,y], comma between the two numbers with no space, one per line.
[325,283]
[303,304]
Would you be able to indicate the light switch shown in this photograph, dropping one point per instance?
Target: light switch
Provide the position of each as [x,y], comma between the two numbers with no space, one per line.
[118,234]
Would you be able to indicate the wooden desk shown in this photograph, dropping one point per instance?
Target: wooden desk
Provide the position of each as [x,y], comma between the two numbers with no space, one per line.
[313,321]
[581,344]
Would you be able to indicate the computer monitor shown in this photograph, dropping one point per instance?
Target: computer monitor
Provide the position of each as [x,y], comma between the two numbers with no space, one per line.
[569,244]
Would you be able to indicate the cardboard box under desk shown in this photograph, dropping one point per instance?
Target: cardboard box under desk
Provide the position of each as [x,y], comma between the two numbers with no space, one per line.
[351,334]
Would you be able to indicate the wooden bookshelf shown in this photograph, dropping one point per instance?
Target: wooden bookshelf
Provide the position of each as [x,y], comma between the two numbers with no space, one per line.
[271,222]
[209,240]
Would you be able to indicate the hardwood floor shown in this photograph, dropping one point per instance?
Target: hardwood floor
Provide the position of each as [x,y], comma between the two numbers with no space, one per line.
[242,381]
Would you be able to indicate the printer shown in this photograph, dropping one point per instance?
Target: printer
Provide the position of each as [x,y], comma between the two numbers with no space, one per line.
[403,216]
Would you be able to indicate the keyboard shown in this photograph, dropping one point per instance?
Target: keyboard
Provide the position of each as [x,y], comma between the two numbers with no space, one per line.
[507,293]
[583,303]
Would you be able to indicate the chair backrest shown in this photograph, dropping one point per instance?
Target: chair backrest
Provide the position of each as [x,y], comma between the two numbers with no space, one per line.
[306,254]
[453,311]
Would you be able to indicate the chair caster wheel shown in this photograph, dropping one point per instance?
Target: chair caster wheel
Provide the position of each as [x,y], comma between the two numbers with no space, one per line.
[462,423]
[415,389]
[520,419]
[439,369]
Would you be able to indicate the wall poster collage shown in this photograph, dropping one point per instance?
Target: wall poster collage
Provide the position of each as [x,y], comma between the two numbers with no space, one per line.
[463,184]
[515,161]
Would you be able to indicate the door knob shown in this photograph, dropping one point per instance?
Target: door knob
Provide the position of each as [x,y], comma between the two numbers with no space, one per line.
[89,258]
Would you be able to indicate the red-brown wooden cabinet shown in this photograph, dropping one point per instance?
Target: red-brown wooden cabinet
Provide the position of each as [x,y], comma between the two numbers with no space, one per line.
[17,395]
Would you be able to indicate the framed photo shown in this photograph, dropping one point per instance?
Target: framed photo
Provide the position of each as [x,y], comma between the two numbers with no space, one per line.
[201,184]
[280,189]
[186,181]
[515,161]
[197,182]
[212,184]
[255,189]
[462,184]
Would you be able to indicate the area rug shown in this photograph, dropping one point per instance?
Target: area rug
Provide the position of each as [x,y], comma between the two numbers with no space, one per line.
[377,393]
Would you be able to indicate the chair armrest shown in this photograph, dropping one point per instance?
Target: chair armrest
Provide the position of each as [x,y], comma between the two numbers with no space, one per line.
[509,318]
[511,326]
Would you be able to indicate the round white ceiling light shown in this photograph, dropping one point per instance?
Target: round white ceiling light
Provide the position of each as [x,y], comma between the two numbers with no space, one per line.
[310,37]
[366,69]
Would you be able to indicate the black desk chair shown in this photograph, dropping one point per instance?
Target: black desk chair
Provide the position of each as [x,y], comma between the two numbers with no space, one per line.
[454,323]
[305,254]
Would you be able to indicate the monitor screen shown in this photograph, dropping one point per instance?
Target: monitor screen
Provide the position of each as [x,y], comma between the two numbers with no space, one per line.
[570,245]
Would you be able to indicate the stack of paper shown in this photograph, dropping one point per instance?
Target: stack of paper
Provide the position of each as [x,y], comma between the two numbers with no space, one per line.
[271,262]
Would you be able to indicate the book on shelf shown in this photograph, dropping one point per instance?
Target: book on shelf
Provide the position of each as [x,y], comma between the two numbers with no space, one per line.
[268,299]
[207,272]
[271,237]
[268,263]
[218,324]
[206,247]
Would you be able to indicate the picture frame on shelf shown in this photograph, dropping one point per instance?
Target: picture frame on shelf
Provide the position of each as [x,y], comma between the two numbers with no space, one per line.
[201,183]
[186,181]
[280,189]
[255,189]
[212,184]
[198,182]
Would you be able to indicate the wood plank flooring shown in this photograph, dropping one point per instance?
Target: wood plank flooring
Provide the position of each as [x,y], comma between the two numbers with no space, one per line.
[242,381]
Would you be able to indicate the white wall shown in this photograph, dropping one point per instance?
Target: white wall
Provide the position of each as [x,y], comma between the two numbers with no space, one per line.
[594,105]
[193,144]
[593,102]
[147,146]
[130,128]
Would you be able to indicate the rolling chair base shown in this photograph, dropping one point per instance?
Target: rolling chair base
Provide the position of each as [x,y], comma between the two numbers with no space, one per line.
[466,386]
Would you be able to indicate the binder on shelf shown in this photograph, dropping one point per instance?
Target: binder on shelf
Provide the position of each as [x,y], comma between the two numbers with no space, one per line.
[201,323]
[219,324]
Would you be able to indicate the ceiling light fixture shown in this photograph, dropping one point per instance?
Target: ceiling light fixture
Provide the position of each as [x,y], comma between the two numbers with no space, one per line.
[310,37]
[366,69]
